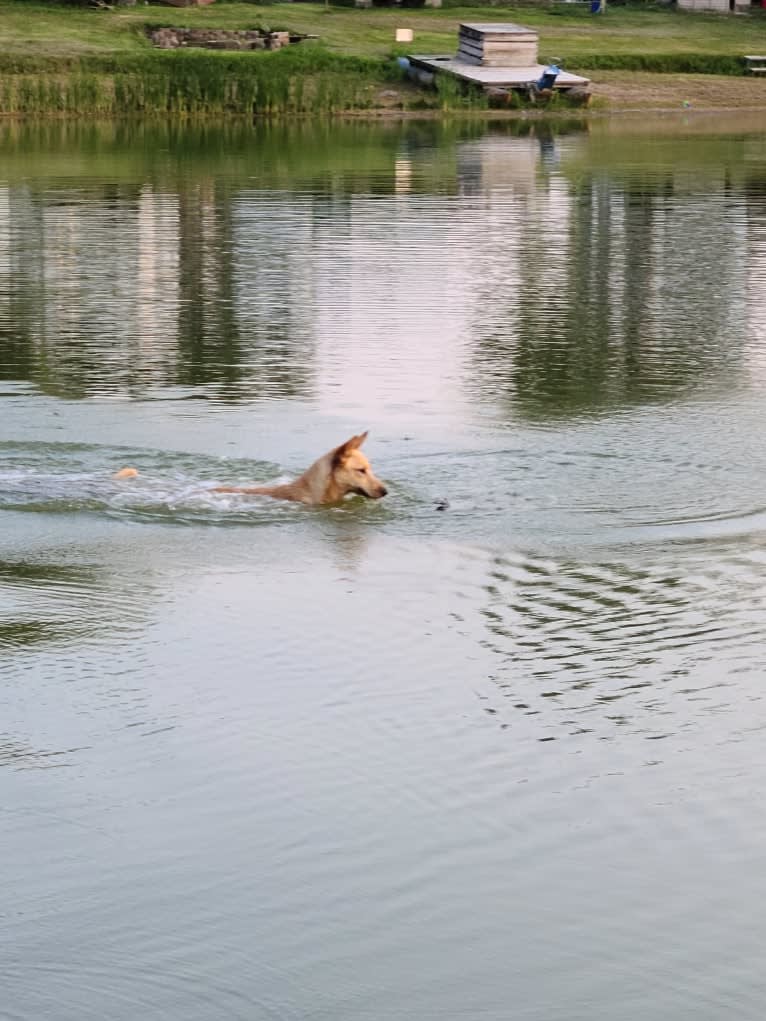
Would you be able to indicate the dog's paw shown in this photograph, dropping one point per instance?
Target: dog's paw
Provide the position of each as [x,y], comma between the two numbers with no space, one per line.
[126,473]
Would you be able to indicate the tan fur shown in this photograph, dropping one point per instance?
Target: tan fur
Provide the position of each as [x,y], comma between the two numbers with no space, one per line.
[337,473]
[125,473]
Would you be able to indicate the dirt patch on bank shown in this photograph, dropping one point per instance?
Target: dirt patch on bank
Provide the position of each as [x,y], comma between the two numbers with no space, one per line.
[620,90]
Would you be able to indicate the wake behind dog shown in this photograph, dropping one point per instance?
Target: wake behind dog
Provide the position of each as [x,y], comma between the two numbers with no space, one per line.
[338,473]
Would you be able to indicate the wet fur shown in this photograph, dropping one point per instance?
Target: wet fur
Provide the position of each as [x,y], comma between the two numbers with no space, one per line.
[336,474]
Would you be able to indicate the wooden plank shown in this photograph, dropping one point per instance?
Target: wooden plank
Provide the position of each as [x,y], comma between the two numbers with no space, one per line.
[510,47]
[495,28]
[499,52]
[508,40]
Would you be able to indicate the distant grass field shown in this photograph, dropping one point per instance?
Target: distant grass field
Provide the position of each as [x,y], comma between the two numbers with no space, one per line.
[33,29]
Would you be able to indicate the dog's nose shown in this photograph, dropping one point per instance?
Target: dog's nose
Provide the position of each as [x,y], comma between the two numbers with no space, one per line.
[383,490]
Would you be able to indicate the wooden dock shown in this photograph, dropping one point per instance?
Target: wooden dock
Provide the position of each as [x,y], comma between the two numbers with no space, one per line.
[497,77]
[494,55]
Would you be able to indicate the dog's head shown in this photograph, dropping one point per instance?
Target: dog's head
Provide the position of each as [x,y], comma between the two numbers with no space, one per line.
[351,470]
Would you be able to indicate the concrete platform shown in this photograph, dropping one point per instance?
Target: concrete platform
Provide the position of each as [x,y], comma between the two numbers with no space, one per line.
[513,77]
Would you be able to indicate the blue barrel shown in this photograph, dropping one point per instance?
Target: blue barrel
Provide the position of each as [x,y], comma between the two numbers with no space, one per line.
[548,78]
[595,6]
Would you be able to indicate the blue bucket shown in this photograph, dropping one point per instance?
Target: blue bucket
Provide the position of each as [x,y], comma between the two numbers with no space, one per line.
[548,78]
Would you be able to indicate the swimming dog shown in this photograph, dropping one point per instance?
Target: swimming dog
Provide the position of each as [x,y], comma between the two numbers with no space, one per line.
[338,473]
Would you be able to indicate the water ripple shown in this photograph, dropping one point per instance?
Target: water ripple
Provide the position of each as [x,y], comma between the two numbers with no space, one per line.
[587,647]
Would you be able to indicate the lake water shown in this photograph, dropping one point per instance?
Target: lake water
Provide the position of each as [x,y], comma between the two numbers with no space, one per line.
[383,761]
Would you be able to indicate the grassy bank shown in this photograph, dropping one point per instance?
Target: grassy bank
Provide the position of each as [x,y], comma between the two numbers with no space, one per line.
[196,81]
[64,59]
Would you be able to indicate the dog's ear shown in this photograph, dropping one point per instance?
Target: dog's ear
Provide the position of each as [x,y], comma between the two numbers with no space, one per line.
[340,453]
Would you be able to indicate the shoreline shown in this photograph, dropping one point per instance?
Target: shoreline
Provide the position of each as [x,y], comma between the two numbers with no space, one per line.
[614,94]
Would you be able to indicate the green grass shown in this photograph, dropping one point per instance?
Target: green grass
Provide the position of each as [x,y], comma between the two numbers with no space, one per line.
[38,30]
[99,61]
[195,85]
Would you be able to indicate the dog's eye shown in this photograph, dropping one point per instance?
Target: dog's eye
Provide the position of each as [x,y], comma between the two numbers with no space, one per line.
[362,470]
